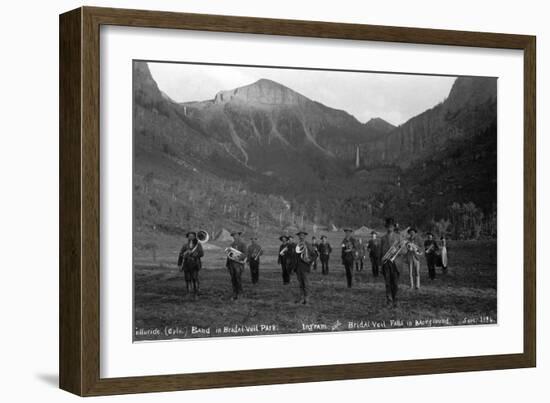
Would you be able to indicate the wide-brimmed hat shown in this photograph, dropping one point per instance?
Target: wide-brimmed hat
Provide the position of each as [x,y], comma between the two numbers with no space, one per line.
[429,233]
[283,236]
[348,230]
[191,232]
[236,232]
[411,229]
[253,236]
[323,237]
[373,232]
[302,231]
[390,221]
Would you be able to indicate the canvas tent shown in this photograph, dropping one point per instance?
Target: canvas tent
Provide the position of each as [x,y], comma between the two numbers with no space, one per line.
[224,236]
[364,230]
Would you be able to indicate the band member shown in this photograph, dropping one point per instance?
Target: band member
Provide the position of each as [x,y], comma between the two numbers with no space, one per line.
[304,258]
[431,249]
[315,246]
[373,247]
[348,255]
[282,259]
[442,258]
[412,258]
[324,254]
[359,255]
[291,257]
[253,254]
[189,261]
[236,267]
[389,268]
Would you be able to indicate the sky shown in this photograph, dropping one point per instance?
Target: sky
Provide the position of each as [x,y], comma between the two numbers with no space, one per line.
[393,97]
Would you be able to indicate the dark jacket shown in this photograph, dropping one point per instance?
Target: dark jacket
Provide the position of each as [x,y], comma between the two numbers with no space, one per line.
[300,264]
[348,250]
[434,249]
[324,249]
[374,248]
[190,253]
[253,251]
[241,247]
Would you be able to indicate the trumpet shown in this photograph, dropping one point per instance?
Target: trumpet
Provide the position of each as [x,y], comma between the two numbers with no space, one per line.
[429,249]
[235,255]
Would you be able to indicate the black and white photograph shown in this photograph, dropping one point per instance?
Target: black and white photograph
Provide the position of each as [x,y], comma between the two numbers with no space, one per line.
[273,200]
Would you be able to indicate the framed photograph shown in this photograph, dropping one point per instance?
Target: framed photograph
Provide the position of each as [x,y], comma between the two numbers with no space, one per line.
[249,201]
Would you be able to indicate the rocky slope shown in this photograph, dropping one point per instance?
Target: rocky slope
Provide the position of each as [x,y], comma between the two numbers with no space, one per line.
[469,110]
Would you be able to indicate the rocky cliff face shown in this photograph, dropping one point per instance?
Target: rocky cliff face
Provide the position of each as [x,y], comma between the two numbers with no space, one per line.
[263,91]
[469,110]
[271,128]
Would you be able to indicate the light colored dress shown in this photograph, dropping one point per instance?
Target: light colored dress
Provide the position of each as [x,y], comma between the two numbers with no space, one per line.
[443,252]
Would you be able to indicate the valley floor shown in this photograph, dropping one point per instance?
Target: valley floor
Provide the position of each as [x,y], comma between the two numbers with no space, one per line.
[466,295]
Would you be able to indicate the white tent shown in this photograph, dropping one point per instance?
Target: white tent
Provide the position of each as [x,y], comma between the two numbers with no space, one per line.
[364,230]
[224,236]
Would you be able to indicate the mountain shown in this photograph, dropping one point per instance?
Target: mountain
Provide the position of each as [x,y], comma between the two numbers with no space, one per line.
[469,109]
[378,127]
[272,129]
[266,153]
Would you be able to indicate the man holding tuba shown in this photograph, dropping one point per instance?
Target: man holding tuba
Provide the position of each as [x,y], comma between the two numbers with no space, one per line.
[253,254]
[304,256]
[390,248]
[189,259]
[236,257]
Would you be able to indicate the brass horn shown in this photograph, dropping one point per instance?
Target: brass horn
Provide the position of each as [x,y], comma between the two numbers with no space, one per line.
[203,236]
[235,255]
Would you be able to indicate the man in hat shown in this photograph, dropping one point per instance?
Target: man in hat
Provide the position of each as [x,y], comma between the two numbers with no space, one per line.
[189,261]
[348,254]
[431,248]
[253,254]
[389,268]
[236,267]
[315,246]
[412,259]
[373,247]
[303,263]
[283,257]
[359,255]
[324,254]
[291,256]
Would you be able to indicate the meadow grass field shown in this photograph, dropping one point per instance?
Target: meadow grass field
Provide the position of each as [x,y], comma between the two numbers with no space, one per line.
[465,295]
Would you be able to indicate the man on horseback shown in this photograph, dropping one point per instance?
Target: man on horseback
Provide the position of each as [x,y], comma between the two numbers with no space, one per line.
[189,261]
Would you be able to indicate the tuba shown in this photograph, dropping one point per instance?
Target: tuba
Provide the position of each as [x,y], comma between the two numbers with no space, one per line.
[202,236]
[394,251]
[235,255]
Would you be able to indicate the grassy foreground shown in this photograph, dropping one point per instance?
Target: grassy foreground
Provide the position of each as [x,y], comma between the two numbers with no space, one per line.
[466,295]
